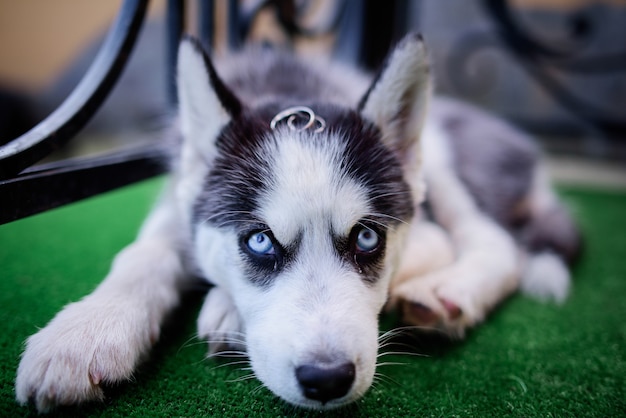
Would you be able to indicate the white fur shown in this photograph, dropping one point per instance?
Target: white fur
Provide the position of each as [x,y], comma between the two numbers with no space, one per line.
[103,337]
[428,249]
[317,311]
[202,116]
[309,184]
[322,306]
[486,266]
[201,112]
[327,313]
[404,88]
[546,277]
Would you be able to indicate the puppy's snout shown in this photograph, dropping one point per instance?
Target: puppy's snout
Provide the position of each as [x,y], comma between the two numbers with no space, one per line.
[325,383]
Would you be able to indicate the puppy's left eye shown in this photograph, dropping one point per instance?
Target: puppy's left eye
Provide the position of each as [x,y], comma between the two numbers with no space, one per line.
[262,251]
[366,240]
[261,243]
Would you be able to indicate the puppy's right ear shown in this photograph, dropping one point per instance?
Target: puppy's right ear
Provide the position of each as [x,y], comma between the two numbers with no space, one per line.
[206,104]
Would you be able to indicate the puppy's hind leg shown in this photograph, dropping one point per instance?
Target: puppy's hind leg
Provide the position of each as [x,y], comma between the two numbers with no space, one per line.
[486,265]
[551,241]
[101,339]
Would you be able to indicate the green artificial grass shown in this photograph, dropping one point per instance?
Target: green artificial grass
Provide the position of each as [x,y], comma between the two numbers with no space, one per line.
[529,359]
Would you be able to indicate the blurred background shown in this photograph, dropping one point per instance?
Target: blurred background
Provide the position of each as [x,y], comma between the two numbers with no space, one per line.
[556,68]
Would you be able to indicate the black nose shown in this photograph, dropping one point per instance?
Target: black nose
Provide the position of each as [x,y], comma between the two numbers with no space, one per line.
[325,383]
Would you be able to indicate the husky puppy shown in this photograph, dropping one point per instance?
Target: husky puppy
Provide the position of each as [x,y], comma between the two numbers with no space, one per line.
[296,190]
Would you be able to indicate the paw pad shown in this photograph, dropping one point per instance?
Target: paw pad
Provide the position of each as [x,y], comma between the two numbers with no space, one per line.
[454,312]
[418,314]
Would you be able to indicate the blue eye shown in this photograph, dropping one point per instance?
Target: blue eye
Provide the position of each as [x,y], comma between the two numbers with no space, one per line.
[261,243]
[367,240]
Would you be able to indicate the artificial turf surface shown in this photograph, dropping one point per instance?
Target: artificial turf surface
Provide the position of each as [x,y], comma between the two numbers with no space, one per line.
[529,359]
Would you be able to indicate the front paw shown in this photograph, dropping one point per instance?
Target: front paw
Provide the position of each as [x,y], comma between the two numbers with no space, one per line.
[436,302]
[86,345]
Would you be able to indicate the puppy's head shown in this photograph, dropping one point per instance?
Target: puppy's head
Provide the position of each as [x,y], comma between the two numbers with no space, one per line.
[302,225]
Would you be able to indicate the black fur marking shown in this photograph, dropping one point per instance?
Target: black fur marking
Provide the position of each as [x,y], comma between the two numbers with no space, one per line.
[366,160]
[242,173]
[239,176]
[376,167]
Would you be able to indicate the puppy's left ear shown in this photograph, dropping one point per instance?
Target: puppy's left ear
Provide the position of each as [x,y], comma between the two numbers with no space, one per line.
[397,103]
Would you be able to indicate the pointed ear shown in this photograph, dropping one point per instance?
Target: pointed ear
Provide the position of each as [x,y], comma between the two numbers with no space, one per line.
[206,104]
[397,102]
[398,98]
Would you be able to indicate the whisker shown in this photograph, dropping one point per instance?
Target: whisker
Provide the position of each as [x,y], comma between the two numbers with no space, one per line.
[382,225]
[389,194]
[391,363]
[407,349]
[226,354]
[228,333]
[402,353]
[225,340]
[406,330]
[229,364]
[257,389]
[226,336]
[188,343]
[379,377]
[227,214]
[230,222]
[383,215]
[388,336]
[385,334]
[242,378]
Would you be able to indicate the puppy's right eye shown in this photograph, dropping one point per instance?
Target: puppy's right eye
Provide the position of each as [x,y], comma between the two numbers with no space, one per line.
[261,243]
[366,245]
[366,240]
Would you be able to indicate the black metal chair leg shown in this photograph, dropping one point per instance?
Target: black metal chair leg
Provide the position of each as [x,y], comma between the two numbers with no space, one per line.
[77,109]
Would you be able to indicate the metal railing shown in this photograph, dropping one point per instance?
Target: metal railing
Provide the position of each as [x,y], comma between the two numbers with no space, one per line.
[363,32]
